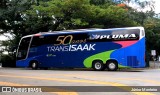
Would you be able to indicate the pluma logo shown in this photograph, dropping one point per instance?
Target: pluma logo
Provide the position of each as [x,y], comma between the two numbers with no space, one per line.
[116,36]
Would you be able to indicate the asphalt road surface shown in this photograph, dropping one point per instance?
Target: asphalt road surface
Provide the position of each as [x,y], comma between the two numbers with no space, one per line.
[88,82]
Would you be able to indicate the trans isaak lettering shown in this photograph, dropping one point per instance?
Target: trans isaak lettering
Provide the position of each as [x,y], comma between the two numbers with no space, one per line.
[76,47]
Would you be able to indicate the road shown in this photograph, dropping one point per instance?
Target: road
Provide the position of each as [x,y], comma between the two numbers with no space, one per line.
[79,77]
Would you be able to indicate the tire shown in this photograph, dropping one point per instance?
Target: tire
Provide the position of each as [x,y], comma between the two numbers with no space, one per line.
[34,65]
[98,65]
[112,65]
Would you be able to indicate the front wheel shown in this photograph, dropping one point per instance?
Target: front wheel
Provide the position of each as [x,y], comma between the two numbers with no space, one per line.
[34,65]
[98,65]
[112,65]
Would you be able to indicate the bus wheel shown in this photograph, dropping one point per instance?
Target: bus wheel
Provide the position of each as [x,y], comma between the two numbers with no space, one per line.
[112,65]
[34,65]
[98,65]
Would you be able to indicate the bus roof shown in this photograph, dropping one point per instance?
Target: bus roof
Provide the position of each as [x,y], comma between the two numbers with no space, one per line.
[80,31]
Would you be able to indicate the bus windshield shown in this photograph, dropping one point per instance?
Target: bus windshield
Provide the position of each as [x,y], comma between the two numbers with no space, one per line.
[23,48]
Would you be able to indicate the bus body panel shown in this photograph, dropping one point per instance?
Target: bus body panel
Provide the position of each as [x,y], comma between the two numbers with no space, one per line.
[134,55]
[128,53]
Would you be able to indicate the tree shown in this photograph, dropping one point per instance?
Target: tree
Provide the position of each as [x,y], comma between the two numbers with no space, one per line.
[70,14]
[152,26]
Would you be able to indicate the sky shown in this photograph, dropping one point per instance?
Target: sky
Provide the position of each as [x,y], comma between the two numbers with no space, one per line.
[157,10]
[157,6]
[3,38]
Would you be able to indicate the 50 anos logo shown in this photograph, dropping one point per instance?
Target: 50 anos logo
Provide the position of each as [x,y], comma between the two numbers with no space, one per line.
[69,39]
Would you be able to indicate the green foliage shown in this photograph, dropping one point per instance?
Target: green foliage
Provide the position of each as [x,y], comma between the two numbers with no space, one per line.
[8,61]
[152,26]
[73,14]
[9,58]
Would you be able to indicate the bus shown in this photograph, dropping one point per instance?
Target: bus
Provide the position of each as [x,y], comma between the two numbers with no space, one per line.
[99,49]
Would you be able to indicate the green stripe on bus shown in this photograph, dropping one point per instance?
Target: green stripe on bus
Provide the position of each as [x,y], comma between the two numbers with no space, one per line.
[104,56]
[121,66]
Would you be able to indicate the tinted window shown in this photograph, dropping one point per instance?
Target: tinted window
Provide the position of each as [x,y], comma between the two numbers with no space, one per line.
[41,40]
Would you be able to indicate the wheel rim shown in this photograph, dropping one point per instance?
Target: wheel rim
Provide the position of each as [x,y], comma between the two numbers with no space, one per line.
[34,65]
[98,65]
[112,66]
